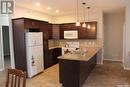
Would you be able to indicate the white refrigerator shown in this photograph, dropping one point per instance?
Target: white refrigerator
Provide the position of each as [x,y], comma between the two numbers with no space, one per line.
[34,52]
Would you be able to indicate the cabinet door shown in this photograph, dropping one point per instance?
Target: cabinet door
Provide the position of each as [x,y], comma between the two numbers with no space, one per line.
[48,61]
[30,23]
[56,53]
[92,32]
[61,31]
[85,33]
[56,31]
[44,27]
[46,54]
[50,31]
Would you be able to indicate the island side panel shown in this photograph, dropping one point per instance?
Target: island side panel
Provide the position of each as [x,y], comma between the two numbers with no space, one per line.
[85,69]
[73,73]
[69,73]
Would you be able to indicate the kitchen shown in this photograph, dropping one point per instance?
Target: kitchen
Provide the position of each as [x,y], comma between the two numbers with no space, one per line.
[53,36]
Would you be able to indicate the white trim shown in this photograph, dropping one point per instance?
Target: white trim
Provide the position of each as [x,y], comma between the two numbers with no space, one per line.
[113,60]
[2,51]
[126,68]
[11,42]
[124,45]
[1,69]
[99,63]
[102,53]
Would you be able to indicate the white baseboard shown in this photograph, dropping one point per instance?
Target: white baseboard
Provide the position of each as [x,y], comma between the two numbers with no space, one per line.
[1,69]
[126,68]
[112,60]
[99,63]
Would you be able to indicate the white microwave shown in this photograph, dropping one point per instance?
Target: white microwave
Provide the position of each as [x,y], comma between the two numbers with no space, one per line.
[71,34]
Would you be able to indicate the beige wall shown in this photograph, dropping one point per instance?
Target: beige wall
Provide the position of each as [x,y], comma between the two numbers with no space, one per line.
[113,35]
[127,38]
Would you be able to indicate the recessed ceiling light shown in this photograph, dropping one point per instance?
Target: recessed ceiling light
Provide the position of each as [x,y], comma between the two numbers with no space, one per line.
[57,11]
[49,8]
[38,4]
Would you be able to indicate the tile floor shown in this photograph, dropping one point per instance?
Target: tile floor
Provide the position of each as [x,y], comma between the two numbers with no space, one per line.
[110,74]
[7,62]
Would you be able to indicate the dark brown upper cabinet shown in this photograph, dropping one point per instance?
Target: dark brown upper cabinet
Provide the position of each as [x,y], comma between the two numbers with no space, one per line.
[66,27]
[44,27]
[55,31]
[31,23]
[50,31]
[88,33]
[83,33]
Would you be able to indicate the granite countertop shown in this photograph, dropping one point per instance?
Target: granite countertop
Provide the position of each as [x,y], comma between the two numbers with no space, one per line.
[54,47]
[91,51]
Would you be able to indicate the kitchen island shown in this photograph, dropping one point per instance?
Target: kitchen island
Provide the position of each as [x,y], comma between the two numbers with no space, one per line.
[74,68]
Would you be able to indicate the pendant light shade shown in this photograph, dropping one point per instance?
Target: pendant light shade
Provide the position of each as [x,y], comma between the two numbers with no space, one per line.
[84,24]
[88,26]
[77,22]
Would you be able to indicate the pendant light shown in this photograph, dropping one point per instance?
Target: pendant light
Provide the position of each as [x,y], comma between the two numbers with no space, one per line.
[88,25]
[84,24]
[77,22]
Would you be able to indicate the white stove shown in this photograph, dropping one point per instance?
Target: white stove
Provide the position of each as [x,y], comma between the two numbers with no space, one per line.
[70,47]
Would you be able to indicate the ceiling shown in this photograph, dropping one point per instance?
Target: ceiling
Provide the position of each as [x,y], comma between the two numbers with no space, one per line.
[67,6]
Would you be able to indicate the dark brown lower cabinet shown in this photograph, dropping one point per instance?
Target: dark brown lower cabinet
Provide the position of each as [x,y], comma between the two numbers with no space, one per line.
[52,57]
[74,73]
[56,52]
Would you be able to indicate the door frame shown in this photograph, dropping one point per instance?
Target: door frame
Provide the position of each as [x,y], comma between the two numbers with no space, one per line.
[2,47]
[2,51]
[10,43]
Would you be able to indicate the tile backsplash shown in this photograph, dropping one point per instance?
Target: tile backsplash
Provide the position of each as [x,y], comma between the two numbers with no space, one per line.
[53,43]
[81,43]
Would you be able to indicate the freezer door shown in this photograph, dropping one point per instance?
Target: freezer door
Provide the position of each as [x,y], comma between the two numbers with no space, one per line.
[35,60]
[34,38]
